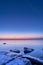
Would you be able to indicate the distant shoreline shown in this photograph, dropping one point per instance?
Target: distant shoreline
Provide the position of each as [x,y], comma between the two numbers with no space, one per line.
[22,39]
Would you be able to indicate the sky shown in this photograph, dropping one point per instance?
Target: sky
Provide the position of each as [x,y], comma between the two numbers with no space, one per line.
[21,17]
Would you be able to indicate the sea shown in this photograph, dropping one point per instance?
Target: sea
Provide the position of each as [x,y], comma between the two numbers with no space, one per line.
[37,45]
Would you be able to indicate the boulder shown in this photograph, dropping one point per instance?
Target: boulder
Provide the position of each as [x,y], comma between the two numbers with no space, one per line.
[27,50]
[4,43]
[16,51]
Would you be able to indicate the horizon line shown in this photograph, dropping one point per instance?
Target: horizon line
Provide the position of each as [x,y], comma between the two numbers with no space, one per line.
[21,38]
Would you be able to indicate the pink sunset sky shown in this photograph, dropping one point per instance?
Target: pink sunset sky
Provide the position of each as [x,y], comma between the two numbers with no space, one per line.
[19,37]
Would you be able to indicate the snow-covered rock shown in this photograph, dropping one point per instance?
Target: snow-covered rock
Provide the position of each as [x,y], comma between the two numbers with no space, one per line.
[27,50]
[15,51]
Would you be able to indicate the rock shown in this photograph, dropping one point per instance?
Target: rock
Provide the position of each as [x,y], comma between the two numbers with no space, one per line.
[4,43]
[16,51]
[27,50]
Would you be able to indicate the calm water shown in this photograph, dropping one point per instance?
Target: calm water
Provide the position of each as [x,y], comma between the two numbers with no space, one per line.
[37,45]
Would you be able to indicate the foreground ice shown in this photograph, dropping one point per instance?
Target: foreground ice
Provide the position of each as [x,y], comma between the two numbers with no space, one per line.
[19,61]
[14,58]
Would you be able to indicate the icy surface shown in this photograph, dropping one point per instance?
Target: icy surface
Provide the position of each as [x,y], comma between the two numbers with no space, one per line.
[11,58]
[12,53]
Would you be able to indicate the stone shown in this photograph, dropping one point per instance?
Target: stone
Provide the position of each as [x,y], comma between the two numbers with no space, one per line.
[27,50]
[16,51]
[4,43]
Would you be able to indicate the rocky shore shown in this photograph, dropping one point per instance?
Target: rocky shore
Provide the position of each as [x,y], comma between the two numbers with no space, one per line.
[15,57]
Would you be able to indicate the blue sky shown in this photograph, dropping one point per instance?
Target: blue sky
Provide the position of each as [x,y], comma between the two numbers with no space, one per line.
[21,17]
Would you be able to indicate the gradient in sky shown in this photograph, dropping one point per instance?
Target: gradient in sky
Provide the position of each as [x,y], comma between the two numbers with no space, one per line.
[21,17]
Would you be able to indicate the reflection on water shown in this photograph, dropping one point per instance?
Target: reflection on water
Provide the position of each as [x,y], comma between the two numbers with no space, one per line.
[20,44]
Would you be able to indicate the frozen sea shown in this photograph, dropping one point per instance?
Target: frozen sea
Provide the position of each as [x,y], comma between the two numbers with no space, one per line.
[37,45]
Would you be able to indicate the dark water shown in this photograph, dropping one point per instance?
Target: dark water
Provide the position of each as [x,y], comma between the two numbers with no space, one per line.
[37,45]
